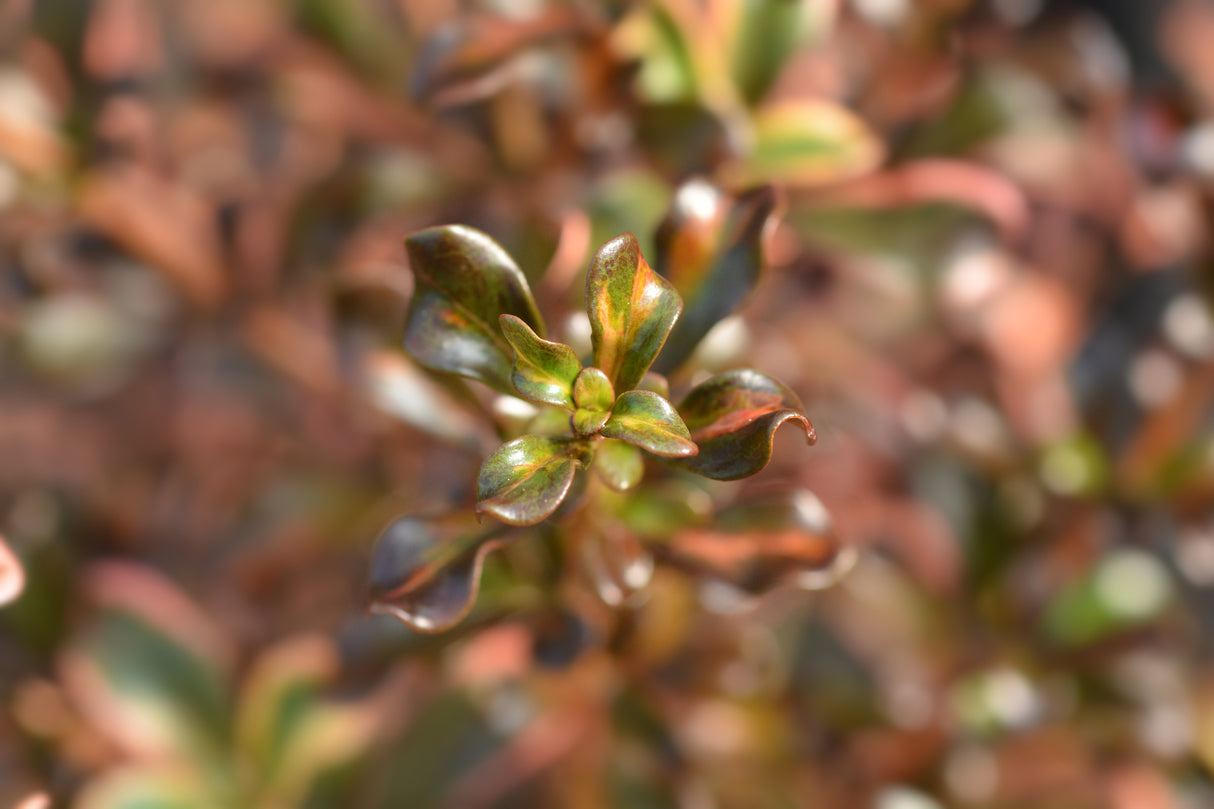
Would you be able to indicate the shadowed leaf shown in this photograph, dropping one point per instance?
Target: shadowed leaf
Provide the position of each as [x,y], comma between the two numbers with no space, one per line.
[733,418]
[631,310]
[649,421]
[711,249]
[426,572]
[527,478]
[619,464]
[544,371]
[805,142]
[464,281]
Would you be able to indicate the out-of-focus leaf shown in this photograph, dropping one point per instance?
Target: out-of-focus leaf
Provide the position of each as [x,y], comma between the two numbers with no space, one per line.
[426,572]
[618,563]
[464,281]
[527,478]
[1125,590]
[143,673]
[631,310]
[761,542]
[592,390]
[544,371]
[12,575]
[711,249]
[649,421]
[142,788]
[805,142]
[733,418]
[767,34]
[618,464]
[468,53]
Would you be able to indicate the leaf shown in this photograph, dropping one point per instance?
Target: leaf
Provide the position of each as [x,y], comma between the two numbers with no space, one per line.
[426,572]
[631,308]
[711,249]
[805,142]
[544,371]
[762,542]
[618,464]
[464,281]
[12,575]
[139,787]
[649,421]
[592,390]
[733,418]
[588,422]
[766,35]
[527,478]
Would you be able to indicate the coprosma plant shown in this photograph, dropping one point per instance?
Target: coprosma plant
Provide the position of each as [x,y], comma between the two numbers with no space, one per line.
[575,469]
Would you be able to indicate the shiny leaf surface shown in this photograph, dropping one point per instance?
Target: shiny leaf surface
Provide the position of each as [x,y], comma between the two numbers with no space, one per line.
[464,281]
[650,422]
[631,308]
[733,418]
[710,248]
[588,422]
[527,478]
[592,390]
[544,371]
[426,572]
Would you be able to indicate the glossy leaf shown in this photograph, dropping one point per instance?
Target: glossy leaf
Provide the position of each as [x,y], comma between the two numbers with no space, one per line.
[649,421]
[426,572]
[618,464]
[733,418]
[544,371]
[631,308]
[592,390]
[527,478]
[464,281]
[588,422]
[710,248]
[805,142]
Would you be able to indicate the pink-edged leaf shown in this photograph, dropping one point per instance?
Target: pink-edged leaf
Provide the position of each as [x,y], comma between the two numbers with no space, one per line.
[464,281]
[631,308]
[650,422]
[733,418]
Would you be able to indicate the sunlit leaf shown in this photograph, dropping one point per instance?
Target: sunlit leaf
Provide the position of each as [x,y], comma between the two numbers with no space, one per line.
[527,478]
[464,281]
[588,422]
[710,248]
[12,575]
[631,310]
[544,371]
[649,421]
[140,788]
[766,35]
[805,142]
[619,464]
[426,572]
[733,418]
[592,390]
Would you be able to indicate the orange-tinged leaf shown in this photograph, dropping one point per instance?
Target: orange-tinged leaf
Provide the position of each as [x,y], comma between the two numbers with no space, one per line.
[544,371]
[527,478]
[651,423]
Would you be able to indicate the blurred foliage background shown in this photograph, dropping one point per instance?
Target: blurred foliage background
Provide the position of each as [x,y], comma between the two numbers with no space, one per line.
[990,286]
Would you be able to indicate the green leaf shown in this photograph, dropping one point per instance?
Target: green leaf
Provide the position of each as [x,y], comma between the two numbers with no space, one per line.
[527,478]
[464,281]
[733,418]
[805,143]
[710,248]
[592,390]
[618,464]
[588,422]
[649,421]
[426,572]
[767,34]
[631,308]
[544,371]
[162,786]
